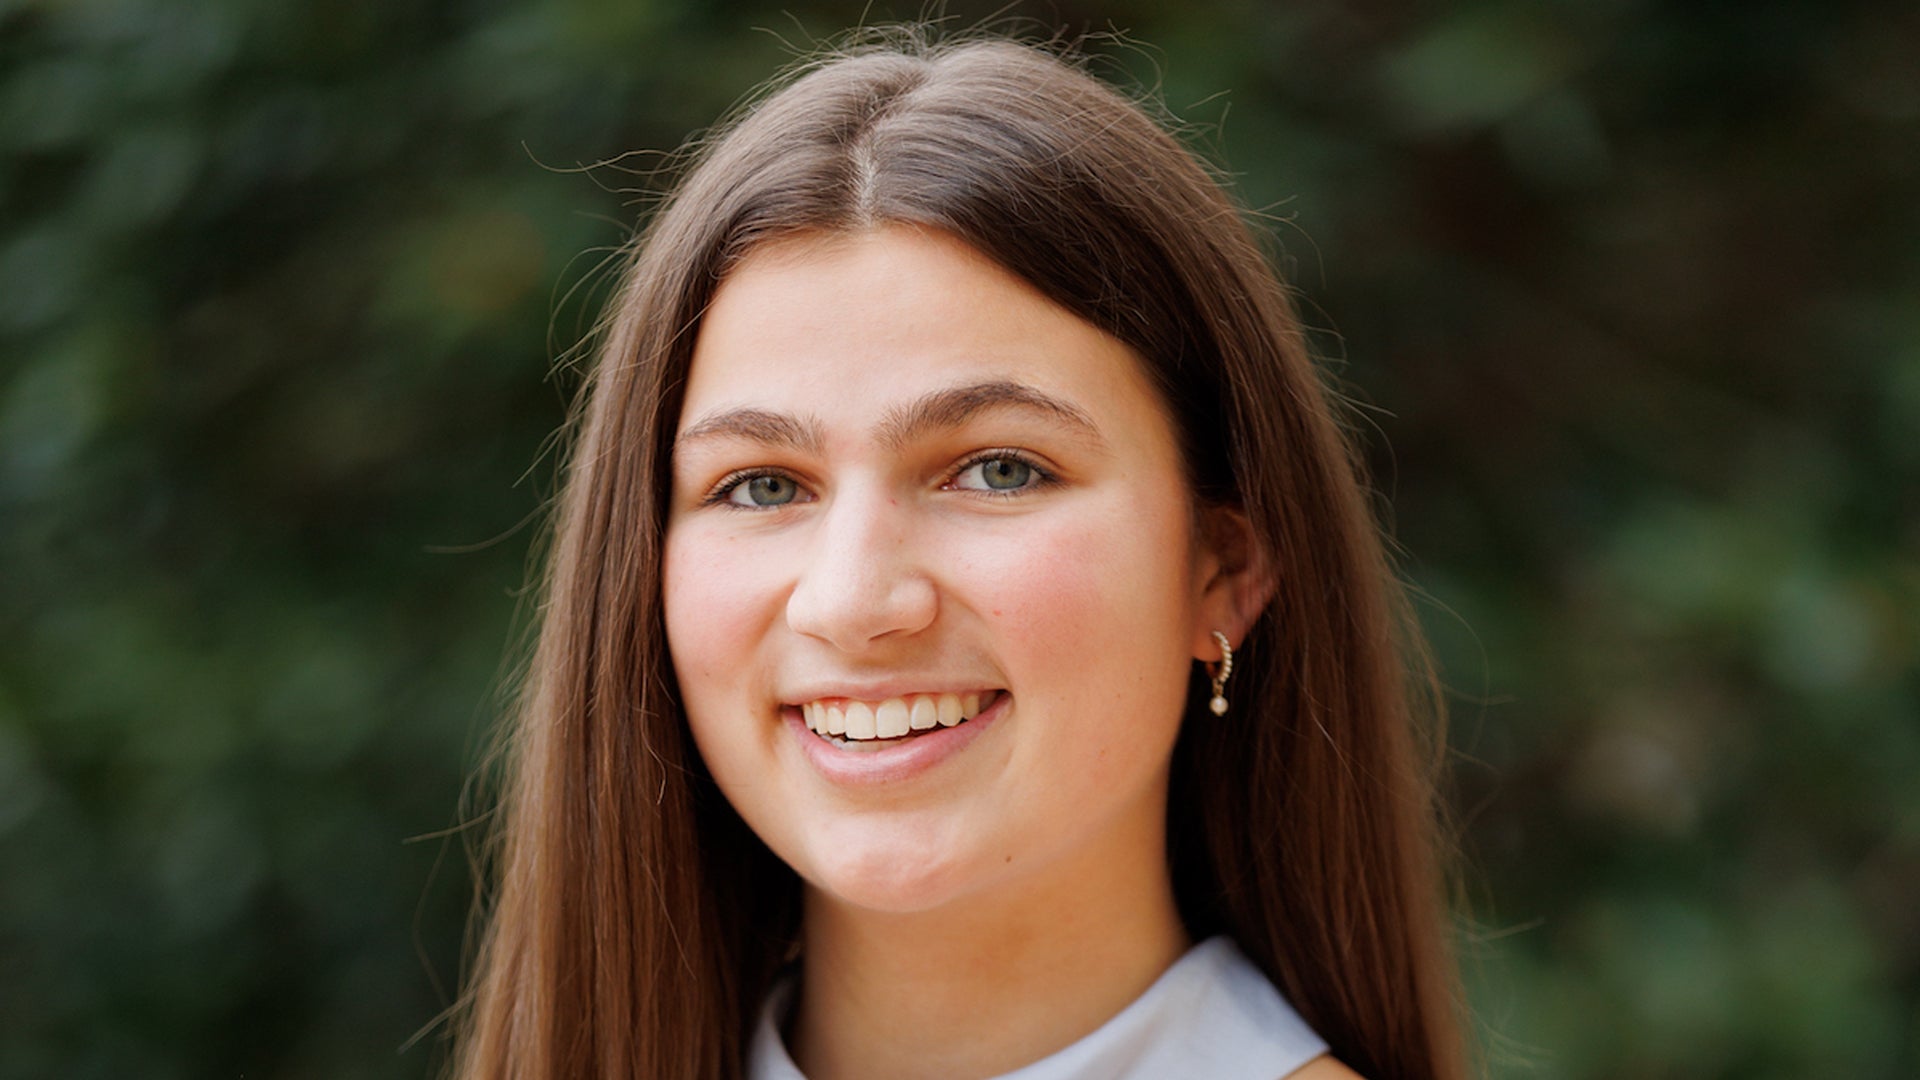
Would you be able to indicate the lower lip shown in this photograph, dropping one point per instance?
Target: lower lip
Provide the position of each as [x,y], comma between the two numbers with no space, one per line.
[896,762]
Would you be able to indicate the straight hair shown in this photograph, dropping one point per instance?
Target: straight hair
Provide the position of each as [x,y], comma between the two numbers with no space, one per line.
[637,923]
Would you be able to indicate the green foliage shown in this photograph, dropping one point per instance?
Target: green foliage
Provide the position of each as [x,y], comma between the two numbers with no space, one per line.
[1633,286]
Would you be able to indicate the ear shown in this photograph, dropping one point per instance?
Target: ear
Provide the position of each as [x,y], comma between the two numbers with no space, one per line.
[1235,580]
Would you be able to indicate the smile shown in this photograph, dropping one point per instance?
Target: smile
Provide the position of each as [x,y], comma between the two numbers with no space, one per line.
[864,725]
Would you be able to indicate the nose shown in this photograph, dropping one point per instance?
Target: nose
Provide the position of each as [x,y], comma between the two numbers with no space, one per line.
[862,578]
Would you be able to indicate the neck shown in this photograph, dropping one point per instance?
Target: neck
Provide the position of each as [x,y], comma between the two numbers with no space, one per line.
[1039,962]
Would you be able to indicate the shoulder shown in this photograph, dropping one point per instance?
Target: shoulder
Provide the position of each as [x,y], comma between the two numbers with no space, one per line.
[1324,1067]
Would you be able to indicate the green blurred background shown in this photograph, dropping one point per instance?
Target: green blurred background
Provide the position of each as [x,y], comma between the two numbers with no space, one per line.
[1631,291]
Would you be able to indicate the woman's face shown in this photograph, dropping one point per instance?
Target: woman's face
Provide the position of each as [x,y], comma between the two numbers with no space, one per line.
[908,489]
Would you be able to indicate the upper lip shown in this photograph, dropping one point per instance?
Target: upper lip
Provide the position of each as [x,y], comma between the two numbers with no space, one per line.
[893,688]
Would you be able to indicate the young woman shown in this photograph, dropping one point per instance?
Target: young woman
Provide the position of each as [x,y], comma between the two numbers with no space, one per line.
[966,648]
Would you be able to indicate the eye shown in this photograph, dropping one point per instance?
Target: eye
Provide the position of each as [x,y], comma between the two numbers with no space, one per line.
[761,491]
[999,472]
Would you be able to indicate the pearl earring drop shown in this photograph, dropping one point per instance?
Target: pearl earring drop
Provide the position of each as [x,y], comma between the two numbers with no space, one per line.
[1220,674]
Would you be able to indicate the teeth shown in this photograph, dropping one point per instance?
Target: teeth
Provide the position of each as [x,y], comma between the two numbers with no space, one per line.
[859,721]
[926,714]
[890,719]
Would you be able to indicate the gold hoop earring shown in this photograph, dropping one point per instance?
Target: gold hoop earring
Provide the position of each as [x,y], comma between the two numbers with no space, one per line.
[1221,672]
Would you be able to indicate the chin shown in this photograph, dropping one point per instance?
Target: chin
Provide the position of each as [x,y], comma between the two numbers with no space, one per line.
[892,879]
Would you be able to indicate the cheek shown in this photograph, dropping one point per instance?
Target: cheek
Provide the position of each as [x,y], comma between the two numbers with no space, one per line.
[1088,618]
[1052,600]
[711,600]
[1090,606]
[1033,589]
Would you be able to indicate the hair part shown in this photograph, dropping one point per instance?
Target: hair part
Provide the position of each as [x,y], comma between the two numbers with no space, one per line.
[638,923]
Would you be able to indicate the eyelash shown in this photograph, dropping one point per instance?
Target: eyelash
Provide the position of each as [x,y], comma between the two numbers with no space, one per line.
[722,492]
[1041,477]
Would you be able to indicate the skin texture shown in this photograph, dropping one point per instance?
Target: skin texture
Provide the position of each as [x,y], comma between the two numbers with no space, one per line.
[1017,884]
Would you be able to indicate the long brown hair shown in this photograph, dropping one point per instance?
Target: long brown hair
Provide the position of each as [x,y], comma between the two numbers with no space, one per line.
[637,923]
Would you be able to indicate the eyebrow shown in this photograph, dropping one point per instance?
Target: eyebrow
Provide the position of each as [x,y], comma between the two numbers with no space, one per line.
[755,425]
[952,407]
[939,410]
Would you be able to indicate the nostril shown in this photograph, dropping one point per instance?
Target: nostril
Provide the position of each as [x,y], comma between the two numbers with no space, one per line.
[862,583]
[851,615]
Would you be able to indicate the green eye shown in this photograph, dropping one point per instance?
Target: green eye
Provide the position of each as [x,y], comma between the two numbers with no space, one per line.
[1005,474]
[997,474]
[764,491]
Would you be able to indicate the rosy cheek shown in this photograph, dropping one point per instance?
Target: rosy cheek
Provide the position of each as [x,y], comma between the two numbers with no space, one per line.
[709,596]
[1055,594]
[1050,592]
[1092,611]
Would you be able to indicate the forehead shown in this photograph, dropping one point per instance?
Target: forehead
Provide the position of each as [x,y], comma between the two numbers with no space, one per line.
[845,325]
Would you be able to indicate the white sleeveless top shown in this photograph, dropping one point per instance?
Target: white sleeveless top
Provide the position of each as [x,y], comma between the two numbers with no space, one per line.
[1212,1015]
